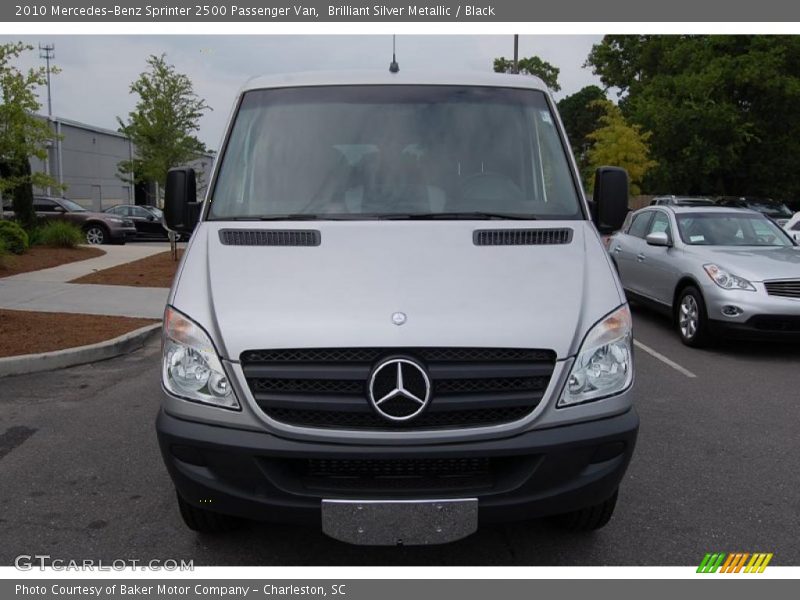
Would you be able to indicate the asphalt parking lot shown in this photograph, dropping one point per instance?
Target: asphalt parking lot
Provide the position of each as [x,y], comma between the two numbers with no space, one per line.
[717,468]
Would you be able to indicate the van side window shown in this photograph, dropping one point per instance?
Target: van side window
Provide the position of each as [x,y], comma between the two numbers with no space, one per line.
[639,224]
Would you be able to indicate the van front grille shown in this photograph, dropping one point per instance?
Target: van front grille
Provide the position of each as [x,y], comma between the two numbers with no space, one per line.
[327,387]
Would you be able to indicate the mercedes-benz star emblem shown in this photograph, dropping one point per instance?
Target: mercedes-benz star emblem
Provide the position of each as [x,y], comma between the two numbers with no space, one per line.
[399,318]
[399,389]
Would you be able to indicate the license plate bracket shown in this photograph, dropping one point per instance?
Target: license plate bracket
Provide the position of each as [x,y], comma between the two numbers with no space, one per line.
[399,522]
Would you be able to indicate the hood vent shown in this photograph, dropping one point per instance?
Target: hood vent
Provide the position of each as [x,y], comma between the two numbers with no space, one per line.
[522,237]
[270,237]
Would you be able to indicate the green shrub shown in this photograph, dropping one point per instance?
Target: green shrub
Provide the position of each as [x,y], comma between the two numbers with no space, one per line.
[3,254]
[60,234]
[13,236]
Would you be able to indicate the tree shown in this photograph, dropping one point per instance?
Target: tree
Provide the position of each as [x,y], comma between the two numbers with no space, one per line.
[532,65]
[163,125]
[581,113]
[22,134]
[724,111]
[620,144]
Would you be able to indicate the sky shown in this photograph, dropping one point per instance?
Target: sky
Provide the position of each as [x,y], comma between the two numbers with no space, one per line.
[96,71]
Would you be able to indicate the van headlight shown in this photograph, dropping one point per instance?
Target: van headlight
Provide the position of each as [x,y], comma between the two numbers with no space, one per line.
[191,368]
[604,365]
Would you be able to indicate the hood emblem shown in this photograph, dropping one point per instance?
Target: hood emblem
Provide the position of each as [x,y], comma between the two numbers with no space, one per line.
[399,318]
[399,389]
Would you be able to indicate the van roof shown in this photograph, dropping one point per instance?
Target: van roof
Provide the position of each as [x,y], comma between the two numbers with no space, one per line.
[384,77]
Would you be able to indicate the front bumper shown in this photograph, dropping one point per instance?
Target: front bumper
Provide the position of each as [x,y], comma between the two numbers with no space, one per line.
[761,316]
[260,476]
[122,233]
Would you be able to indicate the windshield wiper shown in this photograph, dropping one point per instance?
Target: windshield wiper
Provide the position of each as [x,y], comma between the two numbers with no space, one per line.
[452,216]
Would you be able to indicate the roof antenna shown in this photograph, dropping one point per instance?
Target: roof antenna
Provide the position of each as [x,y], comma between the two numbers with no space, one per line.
[393,66]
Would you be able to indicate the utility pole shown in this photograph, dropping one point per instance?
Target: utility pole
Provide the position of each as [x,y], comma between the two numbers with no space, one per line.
[516,54]
[48,53]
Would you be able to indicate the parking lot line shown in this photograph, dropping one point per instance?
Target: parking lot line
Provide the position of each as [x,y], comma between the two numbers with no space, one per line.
[665,360]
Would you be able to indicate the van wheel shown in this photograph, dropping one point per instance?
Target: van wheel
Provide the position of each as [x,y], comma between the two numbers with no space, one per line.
[96,234]
[589,518]
[205,521]
[691,319]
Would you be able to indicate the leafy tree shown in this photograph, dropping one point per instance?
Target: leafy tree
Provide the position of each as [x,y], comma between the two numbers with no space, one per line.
[620,144]
[22,134]
[724,111]
[581,113]
[532,65]
[163,125]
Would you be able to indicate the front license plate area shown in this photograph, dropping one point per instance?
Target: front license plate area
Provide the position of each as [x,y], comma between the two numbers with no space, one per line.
[399,522]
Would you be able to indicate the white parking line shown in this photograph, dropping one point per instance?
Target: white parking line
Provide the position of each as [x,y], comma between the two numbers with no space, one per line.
[665,360]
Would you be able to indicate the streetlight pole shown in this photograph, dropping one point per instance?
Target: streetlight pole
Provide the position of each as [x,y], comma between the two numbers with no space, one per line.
[516,53]
[48,53]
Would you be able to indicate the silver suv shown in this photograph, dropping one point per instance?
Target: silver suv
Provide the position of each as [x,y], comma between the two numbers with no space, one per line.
[395,316]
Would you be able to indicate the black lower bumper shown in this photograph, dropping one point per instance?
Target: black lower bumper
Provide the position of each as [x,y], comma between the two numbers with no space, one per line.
[264,477]
[760,328]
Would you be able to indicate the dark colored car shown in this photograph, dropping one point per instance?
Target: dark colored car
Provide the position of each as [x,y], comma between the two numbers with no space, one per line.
[777,211]
[146,219]
[99,227]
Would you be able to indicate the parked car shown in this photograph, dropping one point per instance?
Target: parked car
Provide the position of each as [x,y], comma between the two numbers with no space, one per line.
[777,211]
[715,271]
[99,227]
[681,201]
[396,317]
[147,219]
[792,227]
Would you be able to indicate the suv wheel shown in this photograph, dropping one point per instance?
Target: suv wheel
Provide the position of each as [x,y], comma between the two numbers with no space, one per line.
[205,521]
[96,234]
[691,318]
[589,518]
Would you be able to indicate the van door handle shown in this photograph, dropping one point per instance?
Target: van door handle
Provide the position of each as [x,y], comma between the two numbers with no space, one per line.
[617,249]
[640,257]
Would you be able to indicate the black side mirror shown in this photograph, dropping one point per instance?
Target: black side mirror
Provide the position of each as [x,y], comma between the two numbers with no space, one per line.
[181,209]
[610,200]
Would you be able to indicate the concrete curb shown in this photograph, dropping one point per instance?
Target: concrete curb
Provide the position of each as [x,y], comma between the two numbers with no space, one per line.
[59,359]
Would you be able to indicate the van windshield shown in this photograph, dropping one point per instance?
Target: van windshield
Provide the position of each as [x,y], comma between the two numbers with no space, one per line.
[360,152]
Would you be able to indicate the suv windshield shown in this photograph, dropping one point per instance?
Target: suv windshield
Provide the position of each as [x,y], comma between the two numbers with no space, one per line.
[355,152]
[71,206]
[729,229]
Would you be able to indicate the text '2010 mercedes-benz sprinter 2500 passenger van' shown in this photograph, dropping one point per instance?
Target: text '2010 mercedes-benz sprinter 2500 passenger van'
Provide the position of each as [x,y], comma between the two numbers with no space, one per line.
[395,316]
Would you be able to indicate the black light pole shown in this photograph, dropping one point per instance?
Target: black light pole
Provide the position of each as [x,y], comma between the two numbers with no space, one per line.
[48,52]
[516,53]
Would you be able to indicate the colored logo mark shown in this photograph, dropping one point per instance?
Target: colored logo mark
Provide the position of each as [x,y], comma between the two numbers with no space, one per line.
[735,562]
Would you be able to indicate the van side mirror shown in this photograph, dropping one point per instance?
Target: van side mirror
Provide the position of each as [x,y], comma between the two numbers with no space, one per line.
[181,209]
[610,199]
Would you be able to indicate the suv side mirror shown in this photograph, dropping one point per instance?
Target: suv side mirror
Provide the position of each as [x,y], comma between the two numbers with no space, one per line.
[658,238]
[181,209]
[610,198]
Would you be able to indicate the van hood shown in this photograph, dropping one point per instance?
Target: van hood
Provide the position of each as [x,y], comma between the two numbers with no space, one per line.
[343,292]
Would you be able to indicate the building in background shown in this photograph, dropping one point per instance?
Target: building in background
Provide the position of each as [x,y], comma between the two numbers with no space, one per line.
[85,159]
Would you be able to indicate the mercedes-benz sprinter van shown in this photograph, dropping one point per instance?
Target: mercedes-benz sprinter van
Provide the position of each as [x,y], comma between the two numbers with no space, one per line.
[395,316]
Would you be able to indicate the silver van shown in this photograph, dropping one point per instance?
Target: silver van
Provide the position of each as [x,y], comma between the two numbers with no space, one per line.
[395,316]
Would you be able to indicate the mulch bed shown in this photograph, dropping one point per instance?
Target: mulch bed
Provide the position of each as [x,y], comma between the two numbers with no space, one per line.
[154,271]
[25,332]
[42,257]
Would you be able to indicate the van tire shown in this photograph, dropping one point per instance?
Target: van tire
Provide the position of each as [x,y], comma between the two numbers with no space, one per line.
[589,518]
[206,521]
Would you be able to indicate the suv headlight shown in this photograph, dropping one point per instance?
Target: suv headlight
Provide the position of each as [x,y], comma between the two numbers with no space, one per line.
[191,368]
[727,280]
[114,219]
[604,365]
